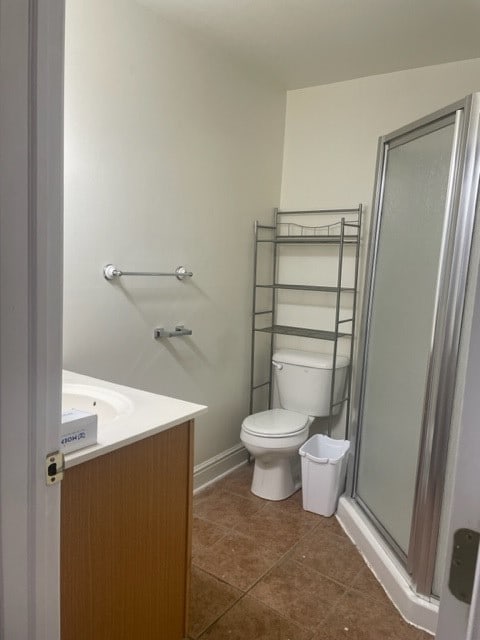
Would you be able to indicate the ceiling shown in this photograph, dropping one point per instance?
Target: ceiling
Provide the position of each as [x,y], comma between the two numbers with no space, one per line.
[300,43]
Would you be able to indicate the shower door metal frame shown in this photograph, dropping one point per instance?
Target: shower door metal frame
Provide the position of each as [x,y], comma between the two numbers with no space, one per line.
[461,198]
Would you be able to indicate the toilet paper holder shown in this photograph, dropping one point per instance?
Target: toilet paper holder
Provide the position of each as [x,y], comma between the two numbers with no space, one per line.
[179,330]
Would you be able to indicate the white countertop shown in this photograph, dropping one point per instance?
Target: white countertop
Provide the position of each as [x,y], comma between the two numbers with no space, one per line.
[147,414]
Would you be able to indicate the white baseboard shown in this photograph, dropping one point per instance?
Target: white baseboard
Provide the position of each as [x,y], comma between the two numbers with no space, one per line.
[418,610]
[220,465]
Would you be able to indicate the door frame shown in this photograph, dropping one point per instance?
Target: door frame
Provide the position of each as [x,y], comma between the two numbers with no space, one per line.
[457,619]
[31,245]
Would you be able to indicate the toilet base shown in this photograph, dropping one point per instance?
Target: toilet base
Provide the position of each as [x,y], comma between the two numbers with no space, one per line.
[277,463]
[274,480]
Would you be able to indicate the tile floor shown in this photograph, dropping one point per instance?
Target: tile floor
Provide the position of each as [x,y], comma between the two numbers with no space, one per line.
[272,571]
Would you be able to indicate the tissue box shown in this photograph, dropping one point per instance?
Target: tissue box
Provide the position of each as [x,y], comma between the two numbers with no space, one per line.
[79,429]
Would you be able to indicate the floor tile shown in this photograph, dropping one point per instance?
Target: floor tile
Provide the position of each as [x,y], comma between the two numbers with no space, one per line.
[278,528]
[332,525]
[294,506]
[251,620]
[204,534]
[209,599]
[298,592]
[331,555]
[224,508]
[366,583]
[237,559]
[239,482]
[360,618]
[265,570]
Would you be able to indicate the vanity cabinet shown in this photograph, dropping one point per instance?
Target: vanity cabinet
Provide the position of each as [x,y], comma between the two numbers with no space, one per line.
[125,541]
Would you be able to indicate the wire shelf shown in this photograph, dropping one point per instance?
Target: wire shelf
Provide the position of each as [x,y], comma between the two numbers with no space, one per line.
[302,332]
[342,227]
[333,230]
[306,287]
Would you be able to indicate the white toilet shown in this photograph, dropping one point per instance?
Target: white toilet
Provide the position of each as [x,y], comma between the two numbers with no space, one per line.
[273,437]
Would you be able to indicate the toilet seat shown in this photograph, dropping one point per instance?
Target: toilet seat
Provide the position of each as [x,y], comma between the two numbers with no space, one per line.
[275,423]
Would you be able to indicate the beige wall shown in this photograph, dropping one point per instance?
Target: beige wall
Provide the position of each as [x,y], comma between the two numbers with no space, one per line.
[330,153]
[331,138]
[332,131]
[171,151]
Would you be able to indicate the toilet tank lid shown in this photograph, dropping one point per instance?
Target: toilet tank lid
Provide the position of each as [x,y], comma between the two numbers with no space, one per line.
[309,359]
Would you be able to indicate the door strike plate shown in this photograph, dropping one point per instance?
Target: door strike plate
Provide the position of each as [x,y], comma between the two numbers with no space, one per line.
[464,561]
[54,467]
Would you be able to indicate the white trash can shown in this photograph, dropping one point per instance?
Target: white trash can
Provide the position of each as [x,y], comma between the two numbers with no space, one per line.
[324,463]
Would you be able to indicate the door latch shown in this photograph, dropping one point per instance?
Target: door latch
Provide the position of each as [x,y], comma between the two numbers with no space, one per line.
[54,467]
[464,561]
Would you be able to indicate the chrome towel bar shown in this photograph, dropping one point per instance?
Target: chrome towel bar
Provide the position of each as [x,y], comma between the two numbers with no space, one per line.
[111,272]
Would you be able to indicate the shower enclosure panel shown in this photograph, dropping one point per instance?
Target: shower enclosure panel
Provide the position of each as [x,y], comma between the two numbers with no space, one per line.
[417,270]
[401,321]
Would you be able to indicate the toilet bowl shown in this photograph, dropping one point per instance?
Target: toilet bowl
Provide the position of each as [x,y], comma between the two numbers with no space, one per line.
[273,437]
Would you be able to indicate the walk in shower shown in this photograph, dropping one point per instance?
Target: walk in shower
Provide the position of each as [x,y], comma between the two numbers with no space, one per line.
[422,267]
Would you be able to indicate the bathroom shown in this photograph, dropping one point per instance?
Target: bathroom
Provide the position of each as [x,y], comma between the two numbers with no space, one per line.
[199,147]
[136,211]
[174,146]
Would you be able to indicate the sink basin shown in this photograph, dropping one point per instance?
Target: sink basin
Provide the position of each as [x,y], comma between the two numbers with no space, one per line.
[107,404]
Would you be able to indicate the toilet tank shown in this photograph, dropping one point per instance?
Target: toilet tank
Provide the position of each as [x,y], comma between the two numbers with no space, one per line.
[303,380]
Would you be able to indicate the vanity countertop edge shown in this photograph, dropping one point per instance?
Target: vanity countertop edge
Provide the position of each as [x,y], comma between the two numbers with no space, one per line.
[152,414]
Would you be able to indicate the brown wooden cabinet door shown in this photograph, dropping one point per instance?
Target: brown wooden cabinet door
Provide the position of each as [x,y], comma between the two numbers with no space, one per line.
[125,541]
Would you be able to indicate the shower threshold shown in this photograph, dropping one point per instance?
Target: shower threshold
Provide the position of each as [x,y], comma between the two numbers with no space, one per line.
[419,610]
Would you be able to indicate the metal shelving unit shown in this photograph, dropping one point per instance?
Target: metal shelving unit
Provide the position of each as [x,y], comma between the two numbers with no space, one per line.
[342,232]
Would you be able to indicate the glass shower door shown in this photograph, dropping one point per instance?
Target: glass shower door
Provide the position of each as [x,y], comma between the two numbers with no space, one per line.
[409,240]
